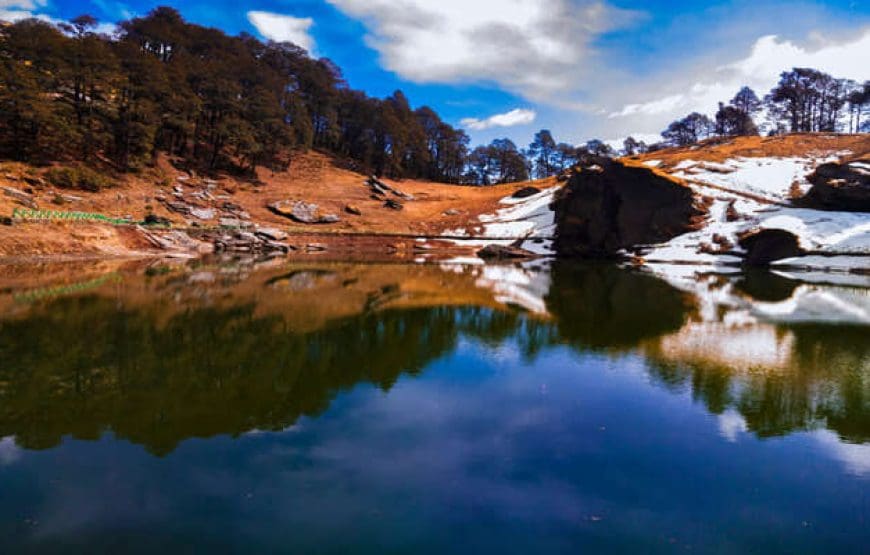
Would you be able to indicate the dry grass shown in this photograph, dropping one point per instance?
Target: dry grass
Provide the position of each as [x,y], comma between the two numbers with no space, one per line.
[802,144]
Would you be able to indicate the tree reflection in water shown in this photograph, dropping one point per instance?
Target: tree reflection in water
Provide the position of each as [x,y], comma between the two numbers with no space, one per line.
[85,364]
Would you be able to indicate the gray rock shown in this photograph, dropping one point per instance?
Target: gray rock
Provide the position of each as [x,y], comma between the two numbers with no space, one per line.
[271,233]
[20,196]
[202,213]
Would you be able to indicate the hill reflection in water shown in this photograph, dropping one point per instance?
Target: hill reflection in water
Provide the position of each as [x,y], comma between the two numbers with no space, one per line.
[162,355]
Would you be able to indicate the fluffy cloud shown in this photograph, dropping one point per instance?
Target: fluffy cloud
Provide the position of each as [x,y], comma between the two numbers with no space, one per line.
[531,48]
[760,69]
[284,28]
[22,4]
[519,116]
[16,10]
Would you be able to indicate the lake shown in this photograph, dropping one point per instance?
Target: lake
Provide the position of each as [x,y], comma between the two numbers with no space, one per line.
[329,407]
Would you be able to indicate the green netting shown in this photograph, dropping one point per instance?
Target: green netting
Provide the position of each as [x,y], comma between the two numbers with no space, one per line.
[49,215]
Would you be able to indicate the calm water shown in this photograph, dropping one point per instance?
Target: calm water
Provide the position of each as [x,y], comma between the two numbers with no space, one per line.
[334,408]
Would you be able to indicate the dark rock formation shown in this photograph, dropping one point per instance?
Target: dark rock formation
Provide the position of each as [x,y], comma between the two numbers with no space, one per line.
[768,245]
[608,206]
[526,192]
[499,252]
[393,205]
[840,187]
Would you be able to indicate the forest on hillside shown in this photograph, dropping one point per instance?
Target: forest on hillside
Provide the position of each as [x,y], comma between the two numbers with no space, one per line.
[162,85]
[219,102]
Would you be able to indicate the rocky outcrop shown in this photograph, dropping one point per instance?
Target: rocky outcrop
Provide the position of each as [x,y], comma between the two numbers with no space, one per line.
[500,252]
[22,197]
[303,212]
[262,241]
[608,206]
[840,187]
[769,245]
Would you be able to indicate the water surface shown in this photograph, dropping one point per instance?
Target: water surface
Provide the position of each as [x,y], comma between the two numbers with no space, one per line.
[329,408]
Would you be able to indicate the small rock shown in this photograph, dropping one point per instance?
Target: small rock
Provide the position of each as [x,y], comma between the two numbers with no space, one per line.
[526,192]
[22,197]
[315,247]
[230,222]
[247,236]
[202,213]
[152,219]
[393,205]
[5,220]
[277,246]
[452,212]
[352,209]
[270,233]
[499,252]
[731,214]
[179,207]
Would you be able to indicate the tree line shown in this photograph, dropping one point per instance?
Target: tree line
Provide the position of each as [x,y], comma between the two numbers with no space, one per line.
[163,85]
[216,102]
[803,101]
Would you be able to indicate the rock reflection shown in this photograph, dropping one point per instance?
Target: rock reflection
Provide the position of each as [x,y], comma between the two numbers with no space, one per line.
[163,354]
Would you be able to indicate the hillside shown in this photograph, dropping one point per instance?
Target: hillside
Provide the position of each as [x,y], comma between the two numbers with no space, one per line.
[744,185]
[755,186]
[431,209]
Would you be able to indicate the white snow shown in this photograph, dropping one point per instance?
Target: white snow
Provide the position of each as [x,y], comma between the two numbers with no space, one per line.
[813,300]
[758,188]
[815,303]
[517,286]
[770,178]
[530,218]
[840,232]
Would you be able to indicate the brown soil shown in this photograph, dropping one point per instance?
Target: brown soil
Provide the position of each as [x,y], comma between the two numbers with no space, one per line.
[313,177]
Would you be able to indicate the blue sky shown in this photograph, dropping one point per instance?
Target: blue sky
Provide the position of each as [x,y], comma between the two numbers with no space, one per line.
[509,67]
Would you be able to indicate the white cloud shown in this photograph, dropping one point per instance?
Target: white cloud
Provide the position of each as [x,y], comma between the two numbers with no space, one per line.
[284,28]
[16,10]
[9,451]
[22,4]
[703,88]
[519,116]
[535,49]
[855,457]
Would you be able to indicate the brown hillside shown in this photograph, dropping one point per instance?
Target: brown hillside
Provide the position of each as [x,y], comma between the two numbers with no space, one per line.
[802,144]
[313,177]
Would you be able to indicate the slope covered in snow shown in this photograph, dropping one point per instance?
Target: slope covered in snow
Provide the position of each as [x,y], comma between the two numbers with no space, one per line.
[752,190]
[530,220]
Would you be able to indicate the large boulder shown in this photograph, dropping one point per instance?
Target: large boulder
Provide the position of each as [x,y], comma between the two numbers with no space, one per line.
[769,245]
[303,212]
[608,206]
[840,187]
